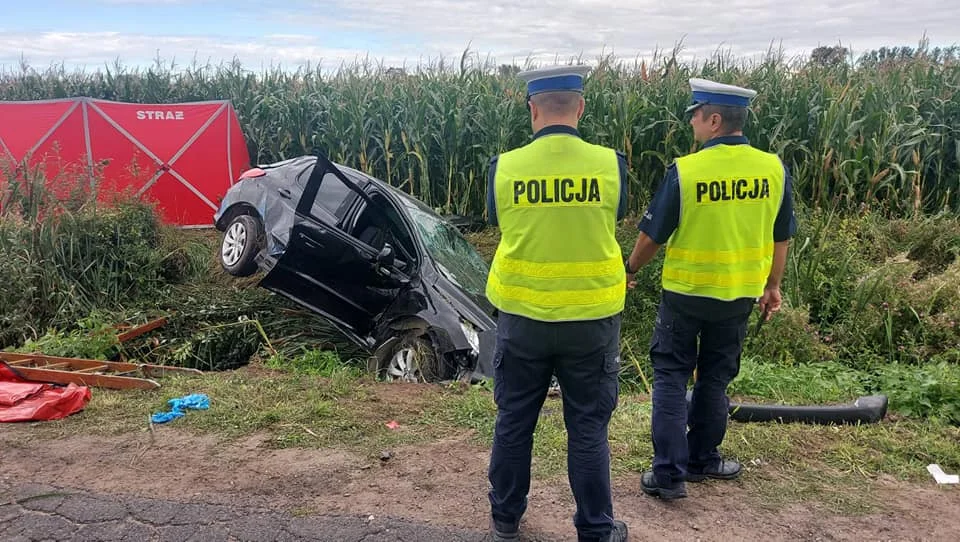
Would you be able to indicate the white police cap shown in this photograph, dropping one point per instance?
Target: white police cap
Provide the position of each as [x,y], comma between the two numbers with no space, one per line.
[554,79]
[711,92]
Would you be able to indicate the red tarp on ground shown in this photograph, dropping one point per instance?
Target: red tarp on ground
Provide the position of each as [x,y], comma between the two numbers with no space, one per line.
[24,401]
[182,156]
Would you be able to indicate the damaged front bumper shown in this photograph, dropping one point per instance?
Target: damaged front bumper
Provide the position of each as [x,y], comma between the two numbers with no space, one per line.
[487,348]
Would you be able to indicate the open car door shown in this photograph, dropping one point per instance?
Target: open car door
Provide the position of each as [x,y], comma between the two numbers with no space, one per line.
[327,270]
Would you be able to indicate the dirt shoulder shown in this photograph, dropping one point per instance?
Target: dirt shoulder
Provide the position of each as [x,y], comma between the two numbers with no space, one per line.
[442,483]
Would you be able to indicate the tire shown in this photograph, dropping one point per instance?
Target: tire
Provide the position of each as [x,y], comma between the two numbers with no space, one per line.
[411,359]
[239,245]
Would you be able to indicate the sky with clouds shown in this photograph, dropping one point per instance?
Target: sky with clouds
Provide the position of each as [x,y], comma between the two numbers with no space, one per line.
[92,33]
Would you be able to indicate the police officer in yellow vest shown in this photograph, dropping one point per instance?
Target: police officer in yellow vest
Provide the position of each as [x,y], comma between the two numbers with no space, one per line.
[558,282]
[725,214]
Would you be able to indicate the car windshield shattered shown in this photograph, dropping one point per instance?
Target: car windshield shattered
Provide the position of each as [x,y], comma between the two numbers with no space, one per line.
[454,255]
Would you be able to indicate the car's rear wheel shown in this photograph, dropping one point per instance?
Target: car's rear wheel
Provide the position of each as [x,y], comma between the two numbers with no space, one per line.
[411,359]
[239,246]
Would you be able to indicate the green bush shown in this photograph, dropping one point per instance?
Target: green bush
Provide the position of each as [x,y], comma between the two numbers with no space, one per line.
[876,290]
[825,262]
[217,348]
[805,383]
[902,318]
[65,253]
[92,337]
[932,390]
[788,338]
[61,268]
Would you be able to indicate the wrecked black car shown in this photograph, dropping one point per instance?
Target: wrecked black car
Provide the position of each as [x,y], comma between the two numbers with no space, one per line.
[381,266]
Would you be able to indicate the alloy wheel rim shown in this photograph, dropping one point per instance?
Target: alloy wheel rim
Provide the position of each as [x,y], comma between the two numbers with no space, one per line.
[234,242]
[403,366]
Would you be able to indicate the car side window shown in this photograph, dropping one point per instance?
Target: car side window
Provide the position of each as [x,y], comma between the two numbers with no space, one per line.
[332,197]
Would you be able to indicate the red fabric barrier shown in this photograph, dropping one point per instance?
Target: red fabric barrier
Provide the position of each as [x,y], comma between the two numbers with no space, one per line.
[12,393]
[24,401]
[182,156]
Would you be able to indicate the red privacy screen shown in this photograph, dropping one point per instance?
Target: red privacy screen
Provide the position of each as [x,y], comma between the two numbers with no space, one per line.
[183,157]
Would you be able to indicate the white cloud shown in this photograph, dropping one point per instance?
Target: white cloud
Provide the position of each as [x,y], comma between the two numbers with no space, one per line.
[515,29]
[508,31]
[97,49]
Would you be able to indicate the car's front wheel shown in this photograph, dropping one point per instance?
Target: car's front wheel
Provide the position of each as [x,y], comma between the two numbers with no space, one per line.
[411,359]
[239,246]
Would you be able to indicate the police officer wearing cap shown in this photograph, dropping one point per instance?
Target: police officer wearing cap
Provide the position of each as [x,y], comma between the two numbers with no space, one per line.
[725,214]
[558,282]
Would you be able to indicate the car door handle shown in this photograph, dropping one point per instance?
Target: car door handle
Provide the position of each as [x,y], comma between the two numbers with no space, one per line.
[309,242]
[284,193]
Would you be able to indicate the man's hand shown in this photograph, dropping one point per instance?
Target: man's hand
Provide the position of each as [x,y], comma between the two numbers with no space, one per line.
[770,302]
[643,251]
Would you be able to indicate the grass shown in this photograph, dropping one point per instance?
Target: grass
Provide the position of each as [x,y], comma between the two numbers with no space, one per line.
[815,383]
[838,466]
[295,409]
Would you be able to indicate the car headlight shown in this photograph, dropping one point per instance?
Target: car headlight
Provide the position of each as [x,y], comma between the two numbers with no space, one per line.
[471,334]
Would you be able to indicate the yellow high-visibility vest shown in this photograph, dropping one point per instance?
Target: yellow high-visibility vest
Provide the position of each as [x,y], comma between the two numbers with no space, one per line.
[558,257]
[723,245]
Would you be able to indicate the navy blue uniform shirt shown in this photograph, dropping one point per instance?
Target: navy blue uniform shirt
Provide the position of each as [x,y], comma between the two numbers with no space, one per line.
[663,215]
[555,129]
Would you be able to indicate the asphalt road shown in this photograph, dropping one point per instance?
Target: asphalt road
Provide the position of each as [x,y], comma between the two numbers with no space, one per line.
[35,513]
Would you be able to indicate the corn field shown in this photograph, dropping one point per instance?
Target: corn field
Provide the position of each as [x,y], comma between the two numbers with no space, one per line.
[882,132]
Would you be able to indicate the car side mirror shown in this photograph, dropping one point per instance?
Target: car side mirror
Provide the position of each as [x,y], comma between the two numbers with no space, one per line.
[386,256]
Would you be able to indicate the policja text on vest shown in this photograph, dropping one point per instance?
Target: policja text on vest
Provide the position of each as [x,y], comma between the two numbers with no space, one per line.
[563,191]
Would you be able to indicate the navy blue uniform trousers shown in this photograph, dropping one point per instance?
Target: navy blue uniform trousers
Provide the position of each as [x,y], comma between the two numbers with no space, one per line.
[674,354]
[585,356]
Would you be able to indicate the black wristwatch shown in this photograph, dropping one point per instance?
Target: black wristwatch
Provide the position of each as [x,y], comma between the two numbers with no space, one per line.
[626,266]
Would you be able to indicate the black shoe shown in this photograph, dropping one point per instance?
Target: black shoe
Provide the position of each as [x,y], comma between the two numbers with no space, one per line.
[618,534]
[505,532]
[727,469]
[648,483]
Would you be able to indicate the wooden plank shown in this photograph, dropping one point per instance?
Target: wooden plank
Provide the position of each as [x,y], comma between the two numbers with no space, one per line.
[78,363]
[89,369]
[99,381]
[160,370]
[140,330]
[12,358]
[48,365]
[31,362]
[58,370]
